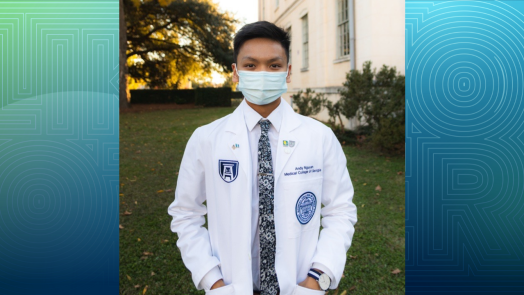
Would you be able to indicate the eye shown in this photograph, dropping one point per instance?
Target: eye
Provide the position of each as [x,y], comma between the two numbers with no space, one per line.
[275,66]
[249,66]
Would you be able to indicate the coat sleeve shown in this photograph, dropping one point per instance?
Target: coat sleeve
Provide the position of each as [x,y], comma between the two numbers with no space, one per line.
[188,213]
[339,214]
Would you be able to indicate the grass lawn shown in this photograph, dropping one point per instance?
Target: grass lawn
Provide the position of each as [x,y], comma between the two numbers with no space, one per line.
[151,149]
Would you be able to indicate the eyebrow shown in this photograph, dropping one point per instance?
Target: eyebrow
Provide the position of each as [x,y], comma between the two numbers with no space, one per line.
[278,58]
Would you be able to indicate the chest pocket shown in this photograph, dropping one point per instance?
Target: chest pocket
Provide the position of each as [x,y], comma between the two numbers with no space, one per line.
[302,205]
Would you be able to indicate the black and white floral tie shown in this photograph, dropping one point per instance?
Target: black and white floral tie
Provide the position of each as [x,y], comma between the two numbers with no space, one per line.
[268,276]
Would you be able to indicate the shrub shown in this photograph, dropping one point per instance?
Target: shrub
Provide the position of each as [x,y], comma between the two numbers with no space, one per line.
[378,98]
[307,104]
[334,114]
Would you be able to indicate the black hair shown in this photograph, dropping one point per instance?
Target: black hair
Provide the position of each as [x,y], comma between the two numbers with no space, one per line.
[261,29]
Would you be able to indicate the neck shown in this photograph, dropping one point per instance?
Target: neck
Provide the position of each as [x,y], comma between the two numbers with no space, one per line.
[264,110]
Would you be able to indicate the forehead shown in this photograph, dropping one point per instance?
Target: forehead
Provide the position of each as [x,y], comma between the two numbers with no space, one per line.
[261,49]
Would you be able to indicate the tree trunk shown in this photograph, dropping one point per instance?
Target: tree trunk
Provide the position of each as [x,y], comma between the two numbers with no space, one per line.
[341,124]
[123,91]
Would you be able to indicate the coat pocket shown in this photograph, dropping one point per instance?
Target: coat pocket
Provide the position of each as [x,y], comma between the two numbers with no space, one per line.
[302,205]
[225,290]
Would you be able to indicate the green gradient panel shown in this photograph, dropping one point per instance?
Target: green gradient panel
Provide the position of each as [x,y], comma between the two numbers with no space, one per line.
[464,147]
[59,147]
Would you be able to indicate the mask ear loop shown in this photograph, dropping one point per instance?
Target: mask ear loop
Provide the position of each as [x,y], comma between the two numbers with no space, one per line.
[236,69]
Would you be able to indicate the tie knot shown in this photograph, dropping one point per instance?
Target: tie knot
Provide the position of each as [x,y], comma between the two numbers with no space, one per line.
[264,124]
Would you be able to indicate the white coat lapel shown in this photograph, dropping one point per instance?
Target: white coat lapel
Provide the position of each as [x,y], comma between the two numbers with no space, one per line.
[238,141]
[236,138]
[290,121]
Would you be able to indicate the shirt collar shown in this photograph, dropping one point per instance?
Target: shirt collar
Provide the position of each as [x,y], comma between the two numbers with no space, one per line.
[251,117]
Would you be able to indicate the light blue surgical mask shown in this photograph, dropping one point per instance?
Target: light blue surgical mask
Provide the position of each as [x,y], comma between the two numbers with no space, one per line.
[261,87]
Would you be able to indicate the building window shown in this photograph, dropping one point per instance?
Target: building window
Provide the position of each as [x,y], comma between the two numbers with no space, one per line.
[290,43]
[305,49]
[343,28]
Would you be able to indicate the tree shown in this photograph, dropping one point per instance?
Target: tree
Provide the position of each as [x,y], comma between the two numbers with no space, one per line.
[169,40]
[122,87]
[379,98]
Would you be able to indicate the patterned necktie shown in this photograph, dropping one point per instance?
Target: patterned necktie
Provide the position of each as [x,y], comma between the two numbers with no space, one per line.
[266,221]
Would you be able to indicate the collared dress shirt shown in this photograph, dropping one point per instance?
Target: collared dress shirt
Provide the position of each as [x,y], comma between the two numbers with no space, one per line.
[251,118]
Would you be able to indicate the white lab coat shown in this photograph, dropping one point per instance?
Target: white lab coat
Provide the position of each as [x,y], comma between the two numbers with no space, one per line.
[227,241]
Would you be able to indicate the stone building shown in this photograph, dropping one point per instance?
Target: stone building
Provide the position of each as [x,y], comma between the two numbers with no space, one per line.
[329,37]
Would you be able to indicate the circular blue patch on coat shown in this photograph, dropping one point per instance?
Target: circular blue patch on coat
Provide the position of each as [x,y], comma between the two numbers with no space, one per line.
[305,207]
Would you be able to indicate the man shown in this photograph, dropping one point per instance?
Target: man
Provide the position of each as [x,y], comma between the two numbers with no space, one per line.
[264,172]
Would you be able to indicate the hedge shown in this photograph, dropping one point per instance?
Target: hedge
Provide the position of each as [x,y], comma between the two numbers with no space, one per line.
[208,97]
[178,96]
[237,94]
[213,97]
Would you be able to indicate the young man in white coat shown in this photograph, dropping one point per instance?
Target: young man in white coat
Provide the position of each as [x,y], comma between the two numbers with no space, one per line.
[264,172]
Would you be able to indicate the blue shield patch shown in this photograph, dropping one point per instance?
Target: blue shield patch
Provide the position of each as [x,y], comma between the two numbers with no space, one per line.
[305,207]
[228,170]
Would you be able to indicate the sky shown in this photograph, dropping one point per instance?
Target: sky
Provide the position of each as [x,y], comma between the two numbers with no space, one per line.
[246,11]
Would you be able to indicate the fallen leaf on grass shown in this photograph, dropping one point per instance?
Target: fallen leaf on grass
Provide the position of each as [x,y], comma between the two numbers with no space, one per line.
[352,288]
[121,195]
[137,286]
[153,273]
[147,253]
[363,205]
[145,290]
[399,173]
[343,292]
[120,226]
[168,190]
[352,257]
[365,183]
[128,277]
[139,240]
[396,271]
[378,188]
[137,152]
[127,213]
[160,191]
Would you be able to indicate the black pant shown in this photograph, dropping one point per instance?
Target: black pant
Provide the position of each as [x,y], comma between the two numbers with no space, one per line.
[258,292]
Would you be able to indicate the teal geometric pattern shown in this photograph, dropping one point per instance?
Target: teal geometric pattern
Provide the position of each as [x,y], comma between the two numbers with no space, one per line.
[59,147]
[464,147]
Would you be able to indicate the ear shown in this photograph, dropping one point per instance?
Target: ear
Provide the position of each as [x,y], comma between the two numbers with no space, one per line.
[234,79]
[288,78]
